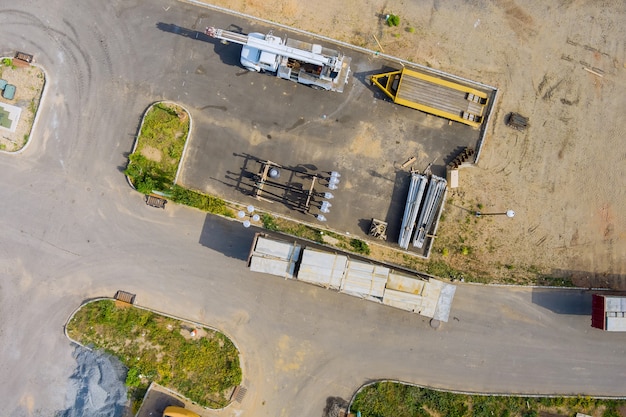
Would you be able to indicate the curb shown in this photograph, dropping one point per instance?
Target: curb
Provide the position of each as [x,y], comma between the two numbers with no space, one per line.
[195,323]
[401,61]
[471,393]
[36,116]
[136,142]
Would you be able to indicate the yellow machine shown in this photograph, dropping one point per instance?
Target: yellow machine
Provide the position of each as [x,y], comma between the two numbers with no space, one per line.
[434,95]
[173,411]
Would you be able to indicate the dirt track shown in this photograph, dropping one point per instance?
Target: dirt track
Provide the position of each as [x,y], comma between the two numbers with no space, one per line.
[560,63]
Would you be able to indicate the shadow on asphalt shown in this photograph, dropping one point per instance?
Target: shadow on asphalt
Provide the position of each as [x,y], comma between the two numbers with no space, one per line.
[228,53]
[364,78]
[227,237]
[156,402]
[574,302]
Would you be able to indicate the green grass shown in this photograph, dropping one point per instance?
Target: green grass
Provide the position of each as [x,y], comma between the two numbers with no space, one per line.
[153,348]
[387,399]
[393,20]
[199,200]
[269,222]
[359,246]
[8,62]
[153,165]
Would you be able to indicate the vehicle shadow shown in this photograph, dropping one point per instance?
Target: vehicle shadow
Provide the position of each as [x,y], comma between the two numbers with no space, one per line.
[228,53]
[364,78]
[563,301]
[227,237]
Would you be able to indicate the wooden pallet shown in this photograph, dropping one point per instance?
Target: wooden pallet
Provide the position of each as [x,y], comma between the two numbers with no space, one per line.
[378,229]
[154,201]
[125,297]
[22,56]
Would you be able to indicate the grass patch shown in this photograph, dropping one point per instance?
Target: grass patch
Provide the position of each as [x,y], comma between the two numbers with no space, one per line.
[8,62]
[268,222]
[546,280]
[201,201]
[387,399]
[359,246]
[153,164]
[154,348]
[393,20]
[442,269]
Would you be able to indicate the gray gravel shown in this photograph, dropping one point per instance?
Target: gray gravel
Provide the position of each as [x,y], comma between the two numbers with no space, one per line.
[96,388]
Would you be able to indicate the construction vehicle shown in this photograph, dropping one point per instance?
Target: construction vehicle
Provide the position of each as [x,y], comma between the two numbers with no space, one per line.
[302,62]
[435,95]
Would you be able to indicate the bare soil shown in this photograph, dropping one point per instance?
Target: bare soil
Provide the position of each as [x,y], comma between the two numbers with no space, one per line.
[560,63]
[29,82]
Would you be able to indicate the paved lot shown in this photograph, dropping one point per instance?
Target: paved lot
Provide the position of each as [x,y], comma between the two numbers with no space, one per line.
[241,117]
[72,230]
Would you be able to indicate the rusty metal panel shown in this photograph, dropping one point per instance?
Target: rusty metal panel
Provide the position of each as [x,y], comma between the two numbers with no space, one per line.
[598,315]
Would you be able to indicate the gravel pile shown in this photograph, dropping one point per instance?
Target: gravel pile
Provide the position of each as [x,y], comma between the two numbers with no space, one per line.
[96,388]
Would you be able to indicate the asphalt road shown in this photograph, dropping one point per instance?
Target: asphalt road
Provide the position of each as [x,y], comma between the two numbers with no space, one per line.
[241,117]
[72,230]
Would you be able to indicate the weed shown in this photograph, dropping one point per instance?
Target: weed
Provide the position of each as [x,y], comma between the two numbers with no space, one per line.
[442,270]
[209,203]
[8,62]
[153,348]
[445,252]
[164,131]
[393,20]
[554,281]
[393,399]
[268,222]
[359,246]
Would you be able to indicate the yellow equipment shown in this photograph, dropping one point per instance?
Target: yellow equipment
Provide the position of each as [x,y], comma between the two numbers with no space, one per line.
[433,95]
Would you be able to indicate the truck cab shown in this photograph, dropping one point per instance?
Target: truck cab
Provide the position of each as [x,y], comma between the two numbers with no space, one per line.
[254,59]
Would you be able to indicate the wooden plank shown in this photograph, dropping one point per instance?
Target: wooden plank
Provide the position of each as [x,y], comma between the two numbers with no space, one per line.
[409,162]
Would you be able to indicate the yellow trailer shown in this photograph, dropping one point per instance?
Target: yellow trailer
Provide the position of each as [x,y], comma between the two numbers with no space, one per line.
[434,95]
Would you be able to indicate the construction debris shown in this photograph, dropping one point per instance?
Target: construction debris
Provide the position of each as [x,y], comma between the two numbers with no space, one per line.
[517,121]
[378,229]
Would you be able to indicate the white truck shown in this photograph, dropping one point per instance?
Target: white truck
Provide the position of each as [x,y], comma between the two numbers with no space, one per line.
[302,62]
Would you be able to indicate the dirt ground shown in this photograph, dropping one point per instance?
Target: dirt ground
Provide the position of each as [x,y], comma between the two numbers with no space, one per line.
[560,63]
[29,81]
